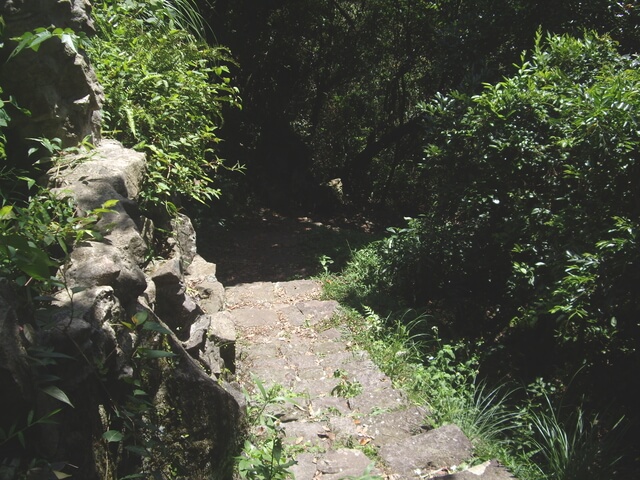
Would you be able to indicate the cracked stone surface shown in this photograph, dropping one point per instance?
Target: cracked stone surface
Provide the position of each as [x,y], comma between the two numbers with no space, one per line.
[348,426]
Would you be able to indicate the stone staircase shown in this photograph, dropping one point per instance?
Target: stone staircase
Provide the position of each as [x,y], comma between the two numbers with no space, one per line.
[346,406]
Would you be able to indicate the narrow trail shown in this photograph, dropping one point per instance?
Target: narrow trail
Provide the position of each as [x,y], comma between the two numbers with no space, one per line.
[348,421]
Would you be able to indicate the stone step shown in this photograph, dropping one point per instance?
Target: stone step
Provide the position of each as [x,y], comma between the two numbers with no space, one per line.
[344,398]
[419,455]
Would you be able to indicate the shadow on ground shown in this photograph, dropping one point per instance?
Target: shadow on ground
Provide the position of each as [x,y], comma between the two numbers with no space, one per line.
[269,247]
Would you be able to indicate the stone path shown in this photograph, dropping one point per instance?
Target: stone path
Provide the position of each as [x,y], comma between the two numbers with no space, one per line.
[346,406]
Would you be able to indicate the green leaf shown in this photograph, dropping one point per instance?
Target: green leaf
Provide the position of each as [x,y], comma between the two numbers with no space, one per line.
[60,475]
[39,38]
[69,40]
[41,353]
[112,436]
[140,317]
[6,213]
[110,203]
[4,116]
[143,452]
[156,327]
[23,42]
[150,353]
[58,394]
[47,419]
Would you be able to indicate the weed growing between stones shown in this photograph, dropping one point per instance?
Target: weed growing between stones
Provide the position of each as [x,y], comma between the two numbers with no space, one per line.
[346,388]
[263,456]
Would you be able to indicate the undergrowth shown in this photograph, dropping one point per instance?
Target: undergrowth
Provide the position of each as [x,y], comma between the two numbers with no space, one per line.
[534,436]
[165,93]
[263,455]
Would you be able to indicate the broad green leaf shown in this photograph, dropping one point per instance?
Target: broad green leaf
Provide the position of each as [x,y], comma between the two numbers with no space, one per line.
[6,213]
[58,394]
[156,327]
[110,203]
[143,452]
[140,317]
[112,436]
[4,116]
[150,353]
[40,37]
[69,41]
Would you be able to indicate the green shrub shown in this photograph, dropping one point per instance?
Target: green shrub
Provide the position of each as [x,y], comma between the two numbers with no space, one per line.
[165,92]
[533,210]
[529,239]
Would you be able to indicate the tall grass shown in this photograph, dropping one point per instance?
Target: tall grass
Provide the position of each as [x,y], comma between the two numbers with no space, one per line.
[536,442]
[164,15]
[572,447]
[187,16]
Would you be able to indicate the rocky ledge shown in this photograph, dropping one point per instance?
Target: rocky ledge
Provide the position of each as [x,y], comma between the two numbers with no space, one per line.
[127,330]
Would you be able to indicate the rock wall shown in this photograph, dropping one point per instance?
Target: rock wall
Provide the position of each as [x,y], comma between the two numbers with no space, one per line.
[129,331]
[55,84]
[137,344]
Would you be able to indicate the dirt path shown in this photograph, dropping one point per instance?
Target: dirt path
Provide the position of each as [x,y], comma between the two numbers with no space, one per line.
[269,247]
[349,421]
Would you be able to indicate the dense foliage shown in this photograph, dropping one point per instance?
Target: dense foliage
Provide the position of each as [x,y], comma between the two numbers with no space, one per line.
[529,240]
[331,87]
[165,90]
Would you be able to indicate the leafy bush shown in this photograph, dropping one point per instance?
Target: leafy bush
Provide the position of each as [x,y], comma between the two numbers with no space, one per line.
[165,92]
[533,211]
[535,180]
[530,236]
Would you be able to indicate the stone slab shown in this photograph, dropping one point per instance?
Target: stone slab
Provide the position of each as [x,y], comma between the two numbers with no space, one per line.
[306,433]
[316,311]
[342,463]
[259,352]
[416,456]
[393,426]
[250,294]
[295,289]
[222,329]
[253,317]
[305,468]
[329,406]
[291,314]
[273,372]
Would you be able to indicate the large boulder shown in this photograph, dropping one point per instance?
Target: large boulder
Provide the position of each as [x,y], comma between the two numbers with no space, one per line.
[103,346]
[56,84]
